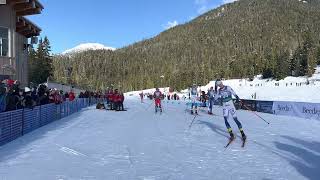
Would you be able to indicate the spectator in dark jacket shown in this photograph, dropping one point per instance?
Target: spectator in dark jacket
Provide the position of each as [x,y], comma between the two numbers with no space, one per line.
[3,96]
[81,95]
[66,95]
[44,99]
[11,100]
[43,95]
[34,95]
[28,101]
[121,101]
[116,100]
[20,98]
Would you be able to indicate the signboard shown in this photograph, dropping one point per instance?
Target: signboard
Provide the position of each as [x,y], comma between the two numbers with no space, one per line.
[298,109]
[265,106]
[3,2]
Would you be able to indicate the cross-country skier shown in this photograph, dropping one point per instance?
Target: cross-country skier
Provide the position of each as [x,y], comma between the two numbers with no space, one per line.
[211,94]
[193,92]
[141,96]
[157,95]
[225,94]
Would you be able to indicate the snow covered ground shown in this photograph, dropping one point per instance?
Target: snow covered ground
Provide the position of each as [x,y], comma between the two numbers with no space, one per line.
[139,144]
[87,46]
[288,89]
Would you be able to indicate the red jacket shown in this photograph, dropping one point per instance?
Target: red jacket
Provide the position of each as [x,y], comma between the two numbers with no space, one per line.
[57,98]
[110,96]
[117,97]
[71,96]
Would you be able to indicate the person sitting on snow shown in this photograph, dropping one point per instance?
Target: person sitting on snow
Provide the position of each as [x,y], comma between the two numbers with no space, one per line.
[100,106]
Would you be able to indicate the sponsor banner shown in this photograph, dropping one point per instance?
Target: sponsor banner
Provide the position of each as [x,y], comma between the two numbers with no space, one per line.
[265,106]
[298,109]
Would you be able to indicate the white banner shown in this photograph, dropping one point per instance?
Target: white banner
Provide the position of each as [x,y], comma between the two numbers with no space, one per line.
[298,109]
[3,2]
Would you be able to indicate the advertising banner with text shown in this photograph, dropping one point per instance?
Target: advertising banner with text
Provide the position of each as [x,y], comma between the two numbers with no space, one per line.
[298,109]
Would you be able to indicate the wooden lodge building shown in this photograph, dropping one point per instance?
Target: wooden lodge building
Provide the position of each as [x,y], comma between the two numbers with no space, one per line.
[16,32]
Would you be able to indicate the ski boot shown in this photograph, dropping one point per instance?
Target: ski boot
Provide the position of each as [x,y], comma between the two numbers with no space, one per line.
[196,112]
[232,137]
[244,137]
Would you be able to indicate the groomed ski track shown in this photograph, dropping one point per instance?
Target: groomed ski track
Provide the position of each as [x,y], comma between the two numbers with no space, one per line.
[139,144]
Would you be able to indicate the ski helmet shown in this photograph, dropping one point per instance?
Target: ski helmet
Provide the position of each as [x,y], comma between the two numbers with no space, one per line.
[219,83]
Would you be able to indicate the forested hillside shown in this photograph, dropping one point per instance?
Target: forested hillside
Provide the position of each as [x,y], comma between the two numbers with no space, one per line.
[248,37]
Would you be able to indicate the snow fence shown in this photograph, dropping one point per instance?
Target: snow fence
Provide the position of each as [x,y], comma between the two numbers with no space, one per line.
[14,124]
[285,108]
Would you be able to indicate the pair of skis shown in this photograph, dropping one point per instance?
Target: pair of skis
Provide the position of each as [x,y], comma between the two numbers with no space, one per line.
[232,140]
[158,109]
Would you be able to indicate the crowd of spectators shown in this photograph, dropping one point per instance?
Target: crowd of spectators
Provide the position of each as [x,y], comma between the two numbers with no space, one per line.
[14,97]
[115,99]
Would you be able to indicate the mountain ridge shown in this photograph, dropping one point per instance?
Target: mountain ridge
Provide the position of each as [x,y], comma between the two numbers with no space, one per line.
[235,40]
[86,47]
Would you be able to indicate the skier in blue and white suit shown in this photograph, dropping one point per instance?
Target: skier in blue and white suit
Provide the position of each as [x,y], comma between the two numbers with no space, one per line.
[193,92]
[211,94]
[224,93]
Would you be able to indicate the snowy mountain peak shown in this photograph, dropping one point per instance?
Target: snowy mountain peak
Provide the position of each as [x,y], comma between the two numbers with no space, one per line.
[86,47]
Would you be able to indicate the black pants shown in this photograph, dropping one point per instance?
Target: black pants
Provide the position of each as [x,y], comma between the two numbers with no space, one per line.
[119,106]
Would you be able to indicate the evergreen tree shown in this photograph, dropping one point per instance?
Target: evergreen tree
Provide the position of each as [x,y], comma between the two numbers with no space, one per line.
[32,64]
[282,65]
[318,56]
[211,46]
[267,73]
[40,62]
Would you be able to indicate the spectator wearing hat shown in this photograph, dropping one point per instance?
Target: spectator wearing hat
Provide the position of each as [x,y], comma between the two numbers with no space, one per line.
[28,101]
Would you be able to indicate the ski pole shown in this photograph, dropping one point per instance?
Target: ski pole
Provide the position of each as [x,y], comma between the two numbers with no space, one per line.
[148,106]
[192,121]
[254,113]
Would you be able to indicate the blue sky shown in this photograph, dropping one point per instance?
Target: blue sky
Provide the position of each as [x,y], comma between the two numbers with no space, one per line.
[114,23]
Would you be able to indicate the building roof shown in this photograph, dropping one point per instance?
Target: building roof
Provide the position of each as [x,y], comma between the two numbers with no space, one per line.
[25,8]
[27,28]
